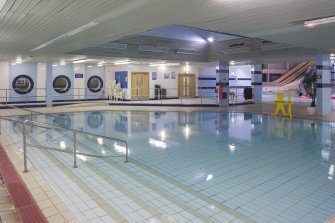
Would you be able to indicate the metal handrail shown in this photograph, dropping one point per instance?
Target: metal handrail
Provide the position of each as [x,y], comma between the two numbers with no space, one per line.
[75,153]
[32,111]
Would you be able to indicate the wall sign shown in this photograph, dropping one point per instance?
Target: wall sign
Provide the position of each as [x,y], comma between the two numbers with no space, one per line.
[78,75]
[154,76]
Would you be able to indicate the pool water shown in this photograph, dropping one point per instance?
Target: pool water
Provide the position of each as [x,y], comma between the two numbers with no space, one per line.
[189,166]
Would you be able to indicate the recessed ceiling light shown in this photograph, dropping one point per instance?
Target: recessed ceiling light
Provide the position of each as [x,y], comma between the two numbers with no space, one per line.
[79,61]
[54,65]
[232,62]
[122,62]
[66,35]
[315,22]
[210,39]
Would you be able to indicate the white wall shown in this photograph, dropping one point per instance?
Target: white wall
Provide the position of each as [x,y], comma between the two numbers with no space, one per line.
[4,83]
[171,85]
[79,83]
[41,77]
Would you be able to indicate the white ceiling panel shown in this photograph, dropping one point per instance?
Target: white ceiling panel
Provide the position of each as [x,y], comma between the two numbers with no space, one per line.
[26,24]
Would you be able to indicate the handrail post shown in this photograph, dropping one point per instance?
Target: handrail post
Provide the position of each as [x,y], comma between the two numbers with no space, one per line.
[75,149]
[24,147]
[127,152]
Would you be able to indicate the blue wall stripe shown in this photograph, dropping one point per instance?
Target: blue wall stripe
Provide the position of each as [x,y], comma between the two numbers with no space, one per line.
[322,67]
[323,85]
[256,83]
[256,72]
[206,87]
[206,78]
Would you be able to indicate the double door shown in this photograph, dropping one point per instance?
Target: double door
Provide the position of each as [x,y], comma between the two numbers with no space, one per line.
[186,85]
[139,86]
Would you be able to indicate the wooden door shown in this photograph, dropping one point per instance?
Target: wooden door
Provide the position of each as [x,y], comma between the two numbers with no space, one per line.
[186,85]
[139,86]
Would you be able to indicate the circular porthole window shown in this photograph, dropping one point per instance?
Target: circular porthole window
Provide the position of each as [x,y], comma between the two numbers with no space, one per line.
[62,84]
[23,84]
[95,84]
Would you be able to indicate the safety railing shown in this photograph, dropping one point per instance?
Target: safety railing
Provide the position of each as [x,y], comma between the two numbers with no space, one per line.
[31,112]
[40,94]
[75,134]
[187,95]
[74,152]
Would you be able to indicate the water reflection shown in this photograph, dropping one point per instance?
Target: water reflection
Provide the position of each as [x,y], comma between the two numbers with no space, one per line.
[95,120]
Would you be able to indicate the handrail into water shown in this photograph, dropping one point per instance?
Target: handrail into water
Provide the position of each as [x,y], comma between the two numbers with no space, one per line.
[49,126]
[75,153]
[32,111]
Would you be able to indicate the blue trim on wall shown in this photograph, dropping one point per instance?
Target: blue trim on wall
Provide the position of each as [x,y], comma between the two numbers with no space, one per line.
[207,78]
[206,87]
[323,85]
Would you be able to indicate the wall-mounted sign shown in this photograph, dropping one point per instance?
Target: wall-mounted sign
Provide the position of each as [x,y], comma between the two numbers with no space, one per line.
[78,75]
[154,76]
[173,74]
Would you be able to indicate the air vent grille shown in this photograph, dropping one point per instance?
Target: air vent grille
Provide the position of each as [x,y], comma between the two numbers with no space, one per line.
[275,46]
[119,46]
[188,51]
[237,50]
[155,49]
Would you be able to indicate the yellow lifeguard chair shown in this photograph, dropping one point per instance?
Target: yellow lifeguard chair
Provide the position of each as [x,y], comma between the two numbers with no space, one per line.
[280,105]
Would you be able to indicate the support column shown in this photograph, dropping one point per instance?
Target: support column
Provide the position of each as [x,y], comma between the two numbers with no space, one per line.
[48,85]
[256,82]
[333,76]
[222,83]
[323,86]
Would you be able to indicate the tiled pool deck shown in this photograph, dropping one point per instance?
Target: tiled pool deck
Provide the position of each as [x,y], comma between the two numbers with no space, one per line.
[82,197]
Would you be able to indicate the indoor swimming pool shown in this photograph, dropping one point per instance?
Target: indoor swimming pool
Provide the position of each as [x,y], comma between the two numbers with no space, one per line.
[187,166]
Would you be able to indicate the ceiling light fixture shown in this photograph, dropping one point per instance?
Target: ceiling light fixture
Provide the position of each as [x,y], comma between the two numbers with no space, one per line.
[210,39]
[232,62]
[157,64]
[122,62]
[80,61]
[66,35]
[315,22]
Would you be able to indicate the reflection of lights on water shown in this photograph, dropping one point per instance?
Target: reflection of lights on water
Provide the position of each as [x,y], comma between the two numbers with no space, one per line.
[157,143]
[209,177]
[331,172]
[103,152]
[120,149]
[187,131]
[163,136]
[252,126]
[62,144]
[212,207]
[231,147]
[82,157]
[325,153]
[100,141]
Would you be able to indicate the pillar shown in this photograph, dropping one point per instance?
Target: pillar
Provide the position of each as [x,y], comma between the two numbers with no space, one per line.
[256,82]
[333,75]
[48,85]
[323,86]
[222,78]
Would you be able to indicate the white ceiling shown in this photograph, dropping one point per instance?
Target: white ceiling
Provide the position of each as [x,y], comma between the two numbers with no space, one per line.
[26,24]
